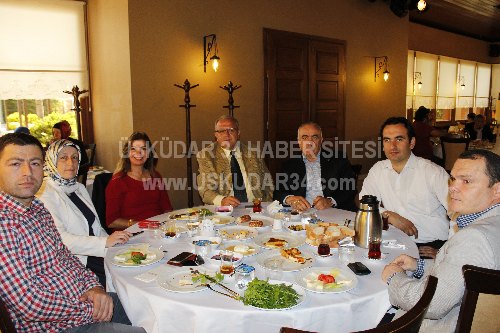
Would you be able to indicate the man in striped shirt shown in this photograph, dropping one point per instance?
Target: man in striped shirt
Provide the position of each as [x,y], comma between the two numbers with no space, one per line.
[45,287]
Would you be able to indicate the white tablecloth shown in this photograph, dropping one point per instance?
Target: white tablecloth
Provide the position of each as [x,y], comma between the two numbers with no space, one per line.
[158,310]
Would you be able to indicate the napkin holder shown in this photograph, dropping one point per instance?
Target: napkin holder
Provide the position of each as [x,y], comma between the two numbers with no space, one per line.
[186,259]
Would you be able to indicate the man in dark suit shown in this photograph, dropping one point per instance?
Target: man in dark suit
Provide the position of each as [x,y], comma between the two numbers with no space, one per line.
[320,178]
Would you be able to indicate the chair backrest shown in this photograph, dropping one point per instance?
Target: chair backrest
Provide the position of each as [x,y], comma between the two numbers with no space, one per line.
[452,147]
[99,197]
[477,280]
[90,151]
[411,321]
[6,324]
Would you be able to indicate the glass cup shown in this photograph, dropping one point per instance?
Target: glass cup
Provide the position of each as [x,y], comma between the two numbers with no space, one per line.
[374,248]
[346,254]
[171,228]
[154,230]
[244,275]
[257,205]
[274,271]
[385,221]
[192,228]
[324,247]
[202,248]
[226,262]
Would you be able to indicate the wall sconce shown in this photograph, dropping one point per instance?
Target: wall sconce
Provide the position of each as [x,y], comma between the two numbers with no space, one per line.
[417,76]
[379,64]
[209,43]
[461,82]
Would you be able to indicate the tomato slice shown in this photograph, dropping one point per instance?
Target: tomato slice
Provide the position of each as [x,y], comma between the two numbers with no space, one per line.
[326,278]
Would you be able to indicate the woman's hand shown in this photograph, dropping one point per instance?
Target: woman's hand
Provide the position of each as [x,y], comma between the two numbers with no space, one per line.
[118,237]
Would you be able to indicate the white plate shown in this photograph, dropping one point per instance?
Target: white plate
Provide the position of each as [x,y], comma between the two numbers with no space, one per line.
[382,257]
[292,240]
[230,247]
[298,289]
[159,255]
[170,282]
[221,220]
[266,222]
[184,214]
[237,233]
[268,259]
[344,275]
[301,233]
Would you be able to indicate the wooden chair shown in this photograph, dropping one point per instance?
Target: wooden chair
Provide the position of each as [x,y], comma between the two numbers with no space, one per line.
[6,324]
[410,322]
[99,197]
[477,280]
[452,147]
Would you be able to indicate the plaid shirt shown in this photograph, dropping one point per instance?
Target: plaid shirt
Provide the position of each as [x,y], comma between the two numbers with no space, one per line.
[40,280]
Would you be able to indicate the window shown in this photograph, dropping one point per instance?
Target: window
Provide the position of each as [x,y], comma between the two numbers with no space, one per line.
[450,86]
[42,53]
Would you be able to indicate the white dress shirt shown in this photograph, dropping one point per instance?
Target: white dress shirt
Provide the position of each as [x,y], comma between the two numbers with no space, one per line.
[237,154]
[419,194]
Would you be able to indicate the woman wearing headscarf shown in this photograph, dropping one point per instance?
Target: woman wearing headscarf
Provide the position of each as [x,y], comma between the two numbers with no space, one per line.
[72,210]
[136,191]
[62,130]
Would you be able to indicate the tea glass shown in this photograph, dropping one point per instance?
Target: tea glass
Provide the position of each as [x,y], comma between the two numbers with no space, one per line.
[374,247]
[226,262]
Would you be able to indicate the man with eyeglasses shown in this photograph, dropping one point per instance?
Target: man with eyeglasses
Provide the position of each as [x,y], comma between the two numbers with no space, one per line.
[229,172]
[319,178]
[412,190]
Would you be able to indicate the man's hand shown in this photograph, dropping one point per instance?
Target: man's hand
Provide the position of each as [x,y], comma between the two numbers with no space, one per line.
[389,270]
[401,223]
[230,201]
[298,203]
[427,251]
[322,203]
[405,262]
[103,303]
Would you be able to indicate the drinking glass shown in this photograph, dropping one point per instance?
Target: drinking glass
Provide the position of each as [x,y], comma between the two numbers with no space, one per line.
[226,262]
[202,248]
[171,228]
[154,230]
[257,205]
[374,247]
[244,275]
[192,228]
[346,254]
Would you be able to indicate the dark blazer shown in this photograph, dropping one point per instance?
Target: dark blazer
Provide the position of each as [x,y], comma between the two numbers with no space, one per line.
[337,178]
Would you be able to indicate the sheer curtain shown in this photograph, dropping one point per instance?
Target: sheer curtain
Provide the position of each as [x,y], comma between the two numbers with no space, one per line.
[42,48]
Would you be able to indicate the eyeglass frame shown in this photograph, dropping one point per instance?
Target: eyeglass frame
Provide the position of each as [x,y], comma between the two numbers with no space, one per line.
[230,131]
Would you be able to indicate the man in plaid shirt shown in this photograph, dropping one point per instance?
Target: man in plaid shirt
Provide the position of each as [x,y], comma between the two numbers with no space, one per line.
[44,286]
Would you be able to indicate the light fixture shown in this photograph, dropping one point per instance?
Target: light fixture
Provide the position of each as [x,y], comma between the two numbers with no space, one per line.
[418,76]
[379,64]
[209,43]
[461,82]
[421,5]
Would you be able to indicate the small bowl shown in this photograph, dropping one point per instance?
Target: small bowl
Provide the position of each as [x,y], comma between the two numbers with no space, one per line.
[236,258]
[296,232]
[215,241]
[224,210]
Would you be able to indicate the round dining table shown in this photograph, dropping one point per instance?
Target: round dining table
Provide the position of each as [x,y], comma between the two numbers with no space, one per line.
[158,310]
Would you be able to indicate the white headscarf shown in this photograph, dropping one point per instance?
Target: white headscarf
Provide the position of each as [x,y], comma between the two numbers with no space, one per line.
[50,167]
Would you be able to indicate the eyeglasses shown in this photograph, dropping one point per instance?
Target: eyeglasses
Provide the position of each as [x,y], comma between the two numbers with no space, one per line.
[226,130]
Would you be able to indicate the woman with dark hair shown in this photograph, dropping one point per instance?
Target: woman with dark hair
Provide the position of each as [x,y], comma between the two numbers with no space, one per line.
[136,191]
[423,132]
[479,130]
[62,130]
[74,214]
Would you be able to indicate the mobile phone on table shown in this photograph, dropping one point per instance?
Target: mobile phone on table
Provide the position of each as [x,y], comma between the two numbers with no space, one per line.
[358,268]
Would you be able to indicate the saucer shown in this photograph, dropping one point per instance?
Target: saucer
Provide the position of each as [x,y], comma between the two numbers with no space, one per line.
[382,257]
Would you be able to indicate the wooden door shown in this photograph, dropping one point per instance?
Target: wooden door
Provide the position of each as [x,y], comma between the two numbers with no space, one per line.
[304,80]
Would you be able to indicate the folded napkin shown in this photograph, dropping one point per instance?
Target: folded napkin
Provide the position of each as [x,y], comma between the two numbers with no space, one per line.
[144,224]
[147,277]
[393,244]
[274,207]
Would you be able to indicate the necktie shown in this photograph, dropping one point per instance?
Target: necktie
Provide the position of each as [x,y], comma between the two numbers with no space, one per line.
[238,184]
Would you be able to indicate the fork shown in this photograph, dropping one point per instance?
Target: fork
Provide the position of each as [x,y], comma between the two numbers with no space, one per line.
[230,296]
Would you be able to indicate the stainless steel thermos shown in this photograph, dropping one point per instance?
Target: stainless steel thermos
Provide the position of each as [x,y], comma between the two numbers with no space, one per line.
[368,221]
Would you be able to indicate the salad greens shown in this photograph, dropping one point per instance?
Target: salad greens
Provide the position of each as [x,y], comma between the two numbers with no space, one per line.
[137,257]
[205,278]
[262,294]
